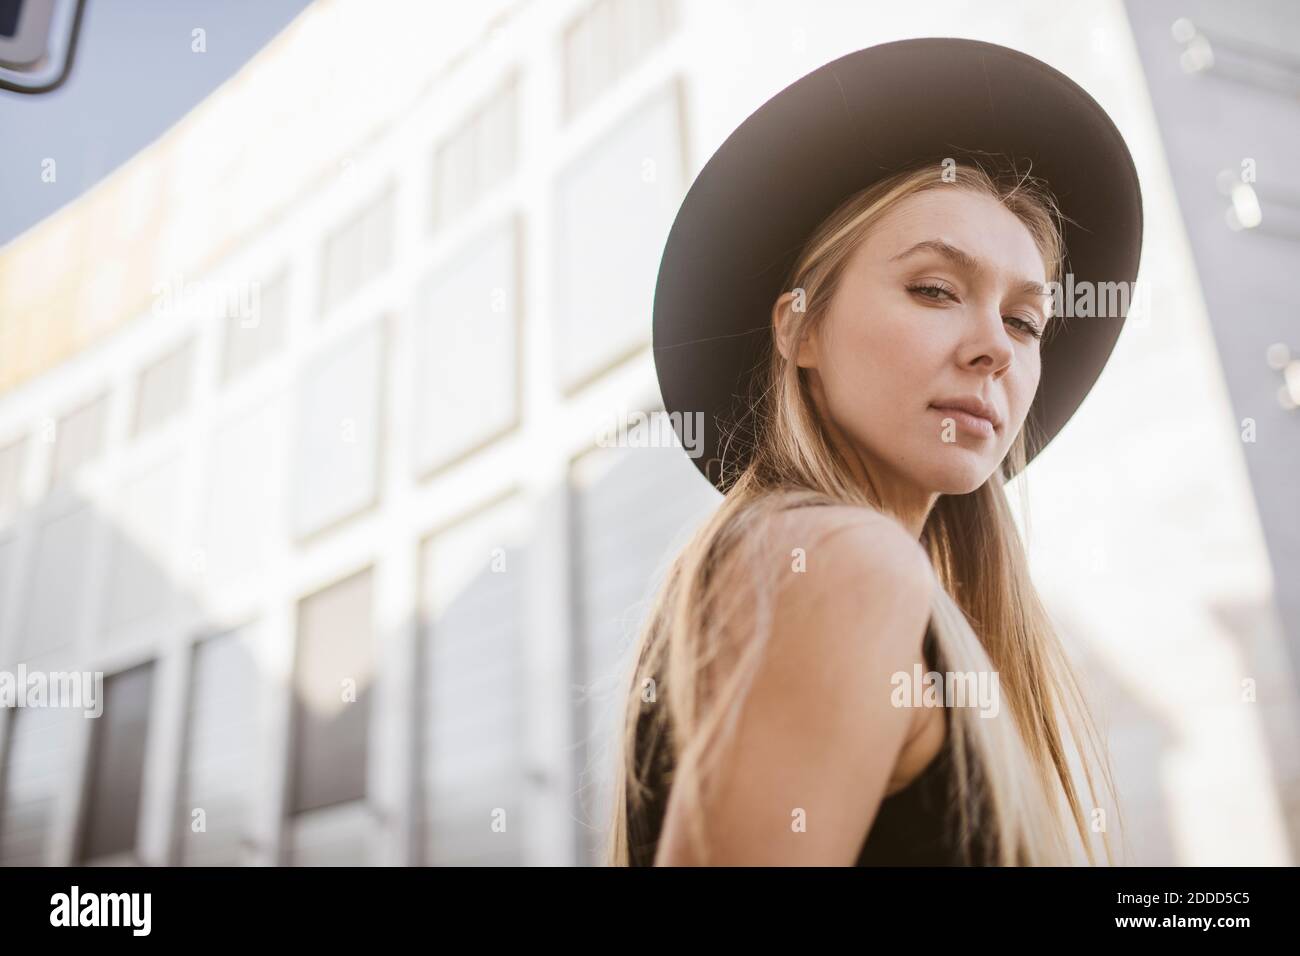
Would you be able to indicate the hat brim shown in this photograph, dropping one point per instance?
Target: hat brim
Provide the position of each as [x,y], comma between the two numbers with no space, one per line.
[837,130]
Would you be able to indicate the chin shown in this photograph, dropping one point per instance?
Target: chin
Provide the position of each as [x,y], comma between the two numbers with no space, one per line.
[960,475]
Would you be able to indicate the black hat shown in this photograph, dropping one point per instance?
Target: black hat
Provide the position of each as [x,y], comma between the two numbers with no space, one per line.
[836,131]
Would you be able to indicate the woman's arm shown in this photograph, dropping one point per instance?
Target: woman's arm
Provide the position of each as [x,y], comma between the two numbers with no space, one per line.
[819,738]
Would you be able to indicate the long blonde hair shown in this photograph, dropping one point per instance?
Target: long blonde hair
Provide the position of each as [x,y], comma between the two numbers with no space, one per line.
[1014,785]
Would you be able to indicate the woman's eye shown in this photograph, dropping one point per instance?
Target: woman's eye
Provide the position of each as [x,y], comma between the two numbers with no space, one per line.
[938,293]
[932,292]
[1028,327]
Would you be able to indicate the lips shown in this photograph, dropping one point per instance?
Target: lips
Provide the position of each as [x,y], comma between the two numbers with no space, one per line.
[971,406]
[971,424]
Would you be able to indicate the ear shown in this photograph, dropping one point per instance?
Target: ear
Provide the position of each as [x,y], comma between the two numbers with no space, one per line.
[783,322]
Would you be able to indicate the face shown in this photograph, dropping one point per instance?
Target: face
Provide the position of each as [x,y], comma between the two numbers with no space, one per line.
[938,305]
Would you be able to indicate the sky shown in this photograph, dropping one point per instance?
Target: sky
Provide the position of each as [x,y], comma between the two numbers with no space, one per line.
[134,76]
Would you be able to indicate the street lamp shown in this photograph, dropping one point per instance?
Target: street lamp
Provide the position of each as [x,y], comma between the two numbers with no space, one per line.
[37,41]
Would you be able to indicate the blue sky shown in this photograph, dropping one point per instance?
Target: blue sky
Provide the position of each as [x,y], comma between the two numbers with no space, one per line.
[134,76]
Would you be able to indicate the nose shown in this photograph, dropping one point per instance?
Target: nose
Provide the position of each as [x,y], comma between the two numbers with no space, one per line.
[987,347]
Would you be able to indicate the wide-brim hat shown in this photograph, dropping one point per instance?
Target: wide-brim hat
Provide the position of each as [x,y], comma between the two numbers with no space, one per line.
[836,131]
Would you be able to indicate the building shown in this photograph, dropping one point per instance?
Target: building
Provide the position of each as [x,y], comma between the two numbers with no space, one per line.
[301,446]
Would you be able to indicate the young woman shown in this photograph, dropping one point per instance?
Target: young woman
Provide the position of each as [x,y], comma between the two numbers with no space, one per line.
[864,539]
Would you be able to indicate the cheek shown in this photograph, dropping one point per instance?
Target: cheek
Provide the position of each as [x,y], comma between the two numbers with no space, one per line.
[1021,391]
[875,363]
[853,353]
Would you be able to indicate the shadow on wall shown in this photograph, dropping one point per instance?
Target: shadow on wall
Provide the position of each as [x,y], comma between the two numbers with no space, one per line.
[1257,632]
[1138,738]
[1145,746]
[472,732]
[193,716]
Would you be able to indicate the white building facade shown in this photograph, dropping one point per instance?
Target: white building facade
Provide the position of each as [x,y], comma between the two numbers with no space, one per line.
[301,447]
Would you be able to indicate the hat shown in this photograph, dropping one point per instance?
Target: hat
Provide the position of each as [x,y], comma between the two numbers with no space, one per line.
[836,131]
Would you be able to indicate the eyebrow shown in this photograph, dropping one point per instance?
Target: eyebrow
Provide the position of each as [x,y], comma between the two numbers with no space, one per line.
[967,263]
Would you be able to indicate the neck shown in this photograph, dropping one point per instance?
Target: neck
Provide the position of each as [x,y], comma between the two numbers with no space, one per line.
[900,499]
[912,514]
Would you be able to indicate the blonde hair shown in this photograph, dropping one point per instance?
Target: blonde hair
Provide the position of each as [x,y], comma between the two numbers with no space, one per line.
[1013,782]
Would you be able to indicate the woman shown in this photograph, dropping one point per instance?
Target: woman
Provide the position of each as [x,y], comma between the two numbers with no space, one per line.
[912,361]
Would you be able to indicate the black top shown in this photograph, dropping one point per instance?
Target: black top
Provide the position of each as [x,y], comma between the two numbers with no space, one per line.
[913,827]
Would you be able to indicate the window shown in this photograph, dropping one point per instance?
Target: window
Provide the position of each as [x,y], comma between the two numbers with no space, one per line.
[222,760]
[474,581]
[606,42]
[143,559]
[621,551]
[466,341]
[8,549]
[613,212]
[58,582]
[242,517]
[251,340]
[358,251]
[78,439]
[111,814]
[164,388]
[12,457]
[341,835]
[11,462]
[337,431]
[332,681]
[41,748]
[476,157]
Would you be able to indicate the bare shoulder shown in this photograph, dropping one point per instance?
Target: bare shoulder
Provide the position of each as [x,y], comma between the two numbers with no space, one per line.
[853,572]
[865,538]
[856,574]
[849,562]
[820,737]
